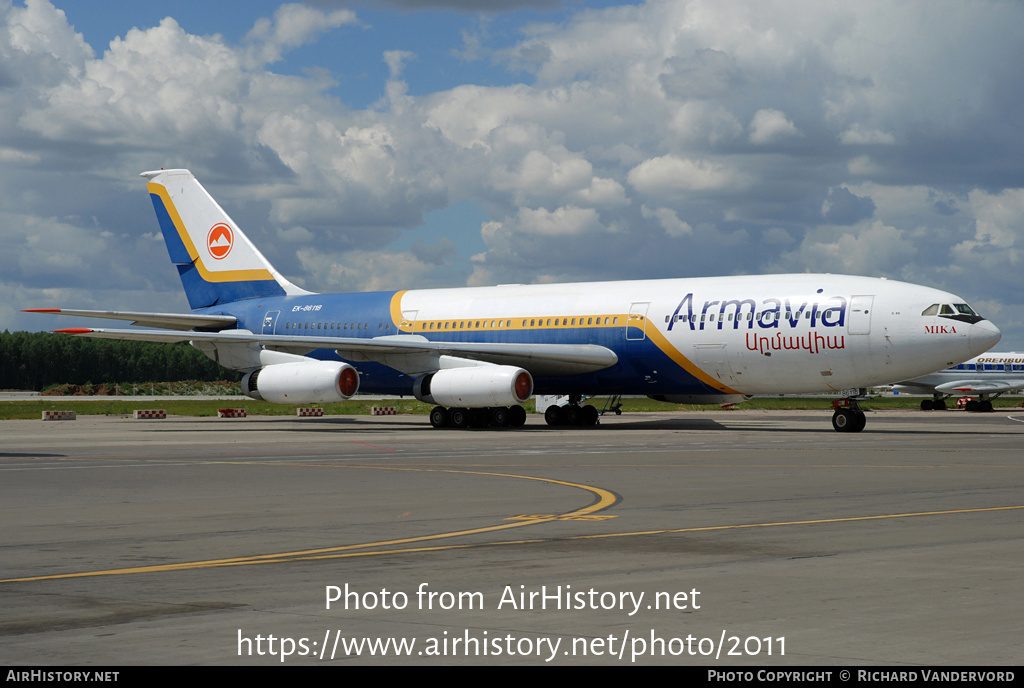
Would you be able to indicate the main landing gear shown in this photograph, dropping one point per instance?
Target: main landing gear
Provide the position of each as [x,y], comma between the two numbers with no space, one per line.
[848,416]
[981,405]
[572,413]
[496,417]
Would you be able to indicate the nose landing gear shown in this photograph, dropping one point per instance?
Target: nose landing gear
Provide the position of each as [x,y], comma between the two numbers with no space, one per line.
[848,416]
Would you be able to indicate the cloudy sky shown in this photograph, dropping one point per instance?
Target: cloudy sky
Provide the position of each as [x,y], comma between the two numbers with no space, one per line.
[407,143]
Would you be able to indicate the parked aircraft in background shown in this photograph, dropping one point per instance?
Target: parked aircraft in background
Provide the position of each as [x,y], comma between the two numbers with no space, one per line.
[477,353]
[989,376]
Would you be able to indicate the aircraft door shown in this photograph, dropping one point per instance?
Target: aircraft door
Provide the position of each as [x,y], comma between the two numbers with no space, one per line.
[636,324]
[270,322]
[408,323]
[860,314]
[713,359]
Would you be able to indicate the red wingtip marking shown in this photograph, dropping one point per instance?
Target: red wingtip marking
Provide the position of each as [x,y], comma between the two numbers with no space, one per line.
[41,310]
[74,330]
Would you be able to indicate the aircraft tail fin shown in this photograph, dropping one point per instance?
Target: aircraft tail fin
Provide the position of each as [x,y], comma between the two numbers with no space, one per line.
[216,262]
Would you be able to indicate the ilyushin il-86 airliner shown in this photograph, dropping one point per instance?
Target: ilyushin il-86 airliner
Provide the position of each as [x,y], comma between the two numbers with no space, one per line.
[989,376]
[477,353]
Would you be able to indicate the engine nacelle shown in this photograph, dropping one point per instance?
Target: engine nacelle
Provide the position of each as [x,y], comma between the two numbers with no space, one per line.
[475,387]
[312,382]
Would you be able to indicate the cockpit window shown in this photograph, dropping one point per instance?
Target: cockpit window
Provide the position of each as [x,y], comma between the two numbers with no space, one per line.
[958,311]
[931,310]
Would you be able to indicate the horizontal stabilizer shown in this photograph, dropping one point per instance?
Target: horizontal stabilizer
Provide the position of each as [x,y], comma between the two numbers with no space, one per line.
[174,321]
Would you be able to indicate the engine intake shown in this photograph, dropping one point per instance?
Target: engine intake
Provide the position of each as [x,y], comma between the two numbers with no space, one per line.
[315,382]
[475,387]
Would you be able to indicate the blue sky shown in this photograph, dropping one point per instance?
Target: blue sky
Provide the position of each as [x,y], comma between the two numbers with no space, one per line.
[421,143]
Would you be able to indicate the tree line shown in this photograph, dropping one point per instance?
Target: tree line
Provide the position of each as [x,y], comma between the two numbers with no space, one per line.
[37,360]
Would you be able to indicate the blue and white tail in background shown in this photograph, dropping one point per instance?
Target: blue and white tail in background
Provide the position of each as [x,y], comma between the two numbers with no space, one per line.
[216,261]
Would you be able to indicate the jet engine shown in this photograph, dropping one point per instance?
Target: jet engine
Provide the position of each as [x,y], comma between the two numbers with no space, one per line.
[475,387]
[302,382]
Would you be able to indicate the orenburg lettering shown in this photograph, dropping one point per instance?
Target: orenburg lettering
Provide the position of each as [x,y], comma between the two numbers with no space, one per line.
[775,312]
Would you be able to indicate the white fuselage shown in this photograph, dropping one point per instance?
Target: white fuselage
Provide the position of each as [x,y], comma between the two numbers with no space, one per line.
[746,335]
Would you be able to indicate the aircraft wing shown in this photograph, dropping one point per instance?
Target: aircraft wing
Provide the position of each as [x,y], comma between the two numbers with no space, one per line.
[174,321]
[966,386]
[980,386]
[412,354]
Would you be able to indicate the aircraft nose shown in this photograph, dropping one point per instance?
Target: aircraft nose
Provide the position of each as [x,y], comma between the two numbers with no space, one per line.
[983,337]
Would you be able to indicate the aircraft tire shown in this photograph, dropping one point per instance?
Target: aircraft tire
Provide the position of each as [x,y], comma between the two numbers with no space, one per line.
[553,415]
[479,417]
[841,420]
[939,405]
[985,406]
[516,416]
[500,416]
[590,415]
[573,415]
[439,416]
[459,417]
[858,422]
[927,405]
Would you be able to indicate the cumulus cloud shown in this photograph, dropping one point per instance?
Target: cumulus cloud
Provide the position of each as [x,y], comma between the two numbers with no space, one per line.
[669,174]
[705,73]
[871,249]
[669,221]
[769,126]
[859,136]
[292,25]
[842,207]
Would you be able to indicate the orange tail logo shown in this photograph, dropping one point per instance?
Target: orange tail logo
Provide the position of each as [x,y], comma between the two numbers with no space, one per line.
[219,241]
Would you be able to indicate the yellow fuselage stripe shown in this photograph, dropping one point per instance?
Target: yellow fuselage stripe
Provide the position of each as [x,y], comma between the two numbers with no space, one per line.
[561,322]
